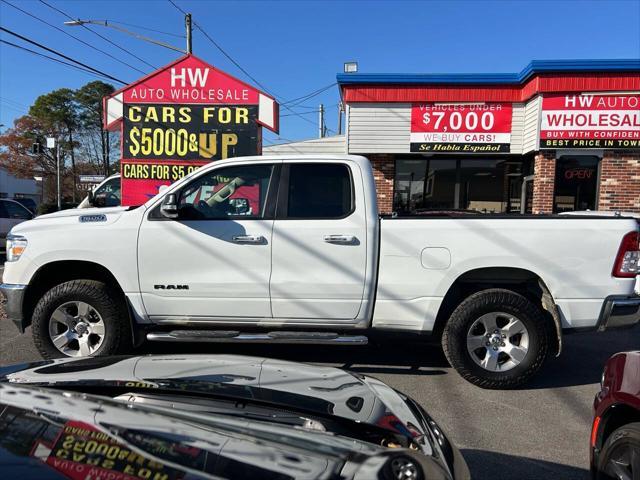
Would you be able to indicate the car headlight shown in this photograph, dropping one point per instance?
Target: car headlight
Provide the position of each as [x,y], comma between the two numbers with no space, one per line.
[16,245]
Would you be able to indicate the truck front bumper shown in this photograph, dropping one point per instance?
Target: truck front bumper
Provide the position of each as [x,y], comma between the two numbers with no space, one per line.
[14,296]
[619,312]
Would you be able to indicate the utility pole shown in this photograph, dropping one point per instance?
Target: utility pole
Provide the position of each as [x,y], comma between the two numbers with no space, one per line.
[321,121]
[340,107]
[187,22]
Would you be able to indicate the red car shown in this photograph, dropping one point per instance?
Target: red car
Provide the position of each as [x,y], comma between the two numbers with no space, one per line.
[615,434]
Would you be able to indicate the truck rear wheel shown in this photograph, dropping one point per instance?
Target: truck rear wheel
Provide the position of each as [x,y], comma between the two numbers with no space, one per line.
[496,339]
[81,318]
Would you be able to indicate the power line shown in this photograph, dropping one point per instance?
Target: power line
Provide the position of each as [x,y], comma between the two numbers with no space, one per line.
[304,98]
[6,30]
[147,28]
[74,37]
[313,112]
[229,57]
[55,59]
[99,35]
[11,107]
[10,101]
[215,44]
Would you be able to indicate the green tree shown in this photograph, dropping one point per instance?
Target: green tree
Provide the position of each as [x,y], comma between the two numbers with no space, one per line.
[90,114]
[58,110]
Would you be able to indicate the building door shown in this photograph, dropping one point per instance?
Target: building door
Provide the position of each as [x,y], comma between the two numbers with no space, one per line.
[576,183]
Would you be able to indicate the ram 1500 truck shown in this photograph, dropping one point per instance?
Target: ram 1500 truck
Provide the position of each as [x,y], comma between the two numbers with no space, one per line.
[292,249]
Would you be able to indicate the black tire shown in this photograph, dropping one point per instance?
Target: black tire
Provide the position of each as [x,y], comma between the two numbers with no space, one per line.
[103,299]
[454,338]
[625,439]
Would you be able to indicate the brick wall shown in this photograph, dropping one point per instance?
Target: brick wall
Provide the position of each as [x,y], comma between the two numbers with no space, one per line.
[544,169]
[383,172]
[619,182]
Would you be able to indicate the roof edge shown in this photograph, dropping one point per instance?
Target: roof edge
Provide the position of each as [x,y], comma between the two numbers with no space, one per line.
[535,67]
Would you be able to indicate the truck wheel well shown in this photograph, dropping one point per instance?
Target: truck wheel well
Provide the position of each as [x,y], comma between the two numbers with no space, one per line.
[519,280]
[55,273]
[615,417]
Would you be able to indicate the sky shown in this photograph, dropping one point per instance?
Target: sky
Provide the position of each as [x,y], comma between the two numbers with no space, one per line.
[293,48]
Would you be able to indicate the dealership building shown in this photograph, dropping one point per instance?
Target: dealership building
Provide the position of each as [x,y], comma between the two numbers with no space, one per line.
[558,136]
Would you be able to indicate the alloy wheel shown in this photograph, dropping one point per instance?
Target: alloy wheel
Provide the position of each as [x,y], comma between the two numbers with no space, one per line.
[498,341]
[624,463]
[76,329]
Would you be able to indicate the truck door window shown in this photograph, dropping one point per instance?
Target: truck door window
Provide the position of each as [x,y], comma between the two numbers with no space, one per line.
[319,191]
[226,193]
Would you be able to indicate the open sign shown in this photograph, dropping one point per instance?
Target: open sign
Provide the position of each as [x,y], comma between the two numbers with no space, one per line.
[579,173]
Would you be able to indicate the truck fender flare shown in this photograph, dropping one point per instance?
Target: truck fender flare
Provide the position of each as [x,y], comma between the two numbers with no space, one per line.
[550,306]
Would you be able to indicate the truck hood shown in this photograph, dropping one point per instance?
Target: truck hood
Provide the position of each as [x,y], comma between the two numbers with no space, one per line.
[77,212]
[89,217]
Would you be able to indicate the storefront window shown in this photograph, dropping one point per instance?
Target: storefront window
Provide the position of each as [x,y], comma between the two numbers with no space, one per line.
[487,185]
[424,184]
[576,183]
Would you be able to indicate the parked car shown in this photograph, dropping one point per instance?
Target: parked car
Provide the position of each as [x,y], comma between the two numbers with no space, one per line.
[106,194]
[28,203]
[308,260]
[11,214]
[615,434]
[208,416]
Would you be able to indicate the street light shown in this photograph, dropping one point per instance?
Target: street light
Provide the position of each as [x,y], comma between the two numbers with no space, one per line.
[105,23]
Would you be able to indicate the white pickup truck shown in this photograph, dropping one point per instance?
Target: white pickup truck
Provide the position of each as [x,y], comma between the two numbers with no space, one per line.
[292,249]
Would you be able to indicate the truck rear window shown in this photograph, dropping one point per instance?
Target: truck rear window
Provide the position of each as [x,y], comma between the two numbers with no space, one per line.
[319,191]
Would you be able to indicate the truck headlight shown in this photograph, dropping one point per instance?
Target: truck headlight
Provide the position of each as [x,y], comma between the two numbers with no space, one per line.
[16,245]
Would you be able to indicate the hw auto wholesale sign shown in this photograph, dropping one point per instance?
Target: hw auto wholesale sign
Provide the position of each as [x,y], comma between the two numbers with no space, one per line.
[464,128]
[180,117]
[590,121]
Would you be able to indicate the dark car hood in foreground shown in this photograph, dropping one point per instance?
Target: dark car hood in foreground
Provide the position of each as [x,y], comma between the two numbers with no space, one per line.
[239,447]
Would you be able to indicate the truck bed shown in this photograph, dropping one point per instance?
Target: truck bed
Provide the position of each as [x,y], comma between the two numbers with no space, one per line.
[421,258]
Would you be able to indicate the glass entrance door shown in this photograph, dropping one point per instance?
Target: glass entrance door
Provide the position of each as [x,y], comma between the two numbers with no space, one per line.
[576,183]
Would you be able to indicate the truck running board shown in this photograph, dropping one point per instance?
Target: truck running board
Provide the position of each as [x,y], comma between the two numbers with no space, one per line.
[228,336]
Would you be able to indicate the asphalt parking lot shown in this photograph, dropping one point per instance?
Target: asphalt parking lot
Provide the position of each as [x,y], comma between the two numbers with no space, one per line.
[537,432]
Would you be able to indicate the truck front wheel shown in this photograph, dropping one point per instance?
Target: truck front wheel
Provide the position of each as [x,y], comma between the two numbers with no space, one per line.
[496,339]
[81,318]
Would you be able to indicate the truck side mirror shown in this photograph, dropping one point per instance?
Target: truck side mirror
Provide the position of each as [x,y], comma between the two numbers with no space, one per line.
[90,197]
[99,200]
[169,206]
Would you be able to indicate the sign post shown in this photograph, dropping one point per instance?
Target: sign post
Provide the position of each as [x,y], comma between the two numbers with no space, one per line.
[52,143]
[180,117]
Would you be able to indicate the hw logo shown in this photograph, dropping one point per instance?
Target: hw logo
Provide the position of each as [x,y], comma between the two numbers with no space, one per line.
[197,77]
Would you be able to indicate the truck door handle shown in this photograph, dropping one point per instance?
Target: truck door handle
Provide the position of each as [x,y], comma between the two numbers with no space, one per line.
[254,239]
[341,239]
